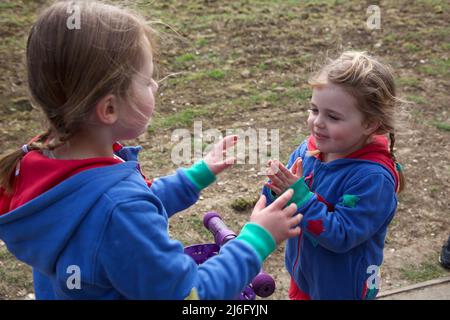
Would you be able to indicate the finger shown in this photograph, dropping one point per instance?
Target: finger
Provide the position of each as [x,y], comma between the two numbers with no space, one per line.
[226,163]
[279,169]
[299,169]
[230,161]
[222,165]
[294,167]
[273,166]
[290,210]
[261,204]
[276,181]
[283,199]
[294,232]
[273,188]
[228,141]
[271,171]
[285,171]
[295,220]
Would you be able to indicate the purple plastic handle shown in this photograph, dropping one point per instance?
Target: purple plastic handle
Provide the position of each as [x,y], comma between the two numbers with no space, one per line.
[214,223]
[263,284]
[247,294]
[202,252]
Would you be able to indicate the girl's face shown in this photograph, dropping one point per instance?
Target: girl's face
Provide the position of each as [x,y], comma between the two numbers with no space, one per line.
[336,123]
[137,113]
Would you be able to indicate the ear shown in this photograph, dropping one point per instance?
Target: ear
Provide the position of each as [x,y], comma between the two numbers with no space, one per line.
[106,110]
[371,126]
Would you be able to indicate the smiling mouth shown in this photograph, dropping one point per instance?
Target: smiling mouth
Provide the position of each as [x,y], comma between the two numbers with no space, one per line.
[319,136]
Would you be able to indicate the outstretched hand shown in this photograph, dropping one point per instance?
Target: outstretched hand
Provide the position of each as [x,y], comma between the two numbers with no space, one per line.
[280,220]
[216,159]
[280,177]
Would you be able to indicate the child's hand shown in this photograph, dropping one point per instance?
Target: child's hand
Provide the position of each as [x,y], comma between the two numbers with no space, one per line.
[281,223]
[280,177]
[216,159]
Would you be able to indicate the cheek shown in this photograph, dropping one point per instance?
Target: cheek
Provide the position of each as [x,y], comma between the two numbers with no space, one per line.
[343,131]
[146,101]
[149,96]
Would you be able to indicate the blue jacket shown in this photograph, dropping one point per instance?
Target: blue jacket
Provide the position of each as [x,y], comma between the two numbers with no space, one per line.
[107,226]
[347,206]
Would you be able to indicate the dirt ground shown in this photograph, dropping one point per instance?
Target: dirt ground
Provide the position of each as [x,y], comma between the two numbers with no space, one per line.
[245,64]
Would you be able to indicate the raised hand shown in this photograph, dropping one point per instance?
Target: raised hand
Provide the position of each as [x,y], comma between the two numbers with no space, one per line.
[280,177]
[276,218]
[216,159]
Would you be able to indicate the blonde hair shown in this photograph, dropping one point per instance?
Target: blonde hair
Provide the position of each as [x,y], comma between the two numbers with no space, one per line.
[372,84]
[69,70]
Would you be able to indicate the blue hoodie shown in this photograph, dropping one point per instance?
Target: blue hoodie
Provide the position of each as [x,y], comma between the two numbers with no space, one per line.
[347,205]
[108,227]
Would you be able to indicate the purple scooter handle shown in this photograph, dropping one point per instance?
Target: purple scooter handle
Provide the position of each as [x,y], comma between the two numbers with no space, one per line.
[214,223]
[263,284]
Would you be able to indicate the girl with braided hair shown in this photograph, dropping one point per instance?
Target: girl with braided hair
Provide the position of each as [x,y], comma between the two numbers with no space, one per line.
[346,178]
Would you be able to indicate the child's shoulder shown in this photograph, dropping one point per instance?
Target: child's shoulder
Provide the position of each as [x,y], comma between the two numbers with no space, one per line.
[132,186]
[361,169]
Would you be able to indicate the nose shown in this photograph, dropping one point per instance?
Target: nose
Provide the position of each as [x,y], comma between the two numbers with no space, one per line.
[318,121]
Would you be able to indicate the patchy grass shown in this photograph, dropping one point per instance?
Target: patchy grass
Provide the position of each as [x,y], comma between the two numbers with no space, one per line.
[242,204]
[445,126]
[408,82]
[15,277]
[188,57]
[216,74]
[425,271]
[183,118]
[417,99]
[437,67]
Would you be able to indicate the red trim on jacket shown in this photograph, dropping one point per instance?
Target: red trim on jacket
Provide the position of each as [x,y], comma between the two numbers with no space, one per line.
[38,174]
[377,151]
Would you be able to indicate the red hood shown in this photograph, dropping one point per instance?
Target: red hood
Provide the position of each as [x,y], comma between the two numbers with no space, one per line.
[376,151]
[39,174]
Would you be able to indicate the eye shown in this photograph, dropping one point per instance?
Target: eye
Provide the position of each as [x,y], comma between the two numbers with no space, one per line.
[313,110]
[333,117]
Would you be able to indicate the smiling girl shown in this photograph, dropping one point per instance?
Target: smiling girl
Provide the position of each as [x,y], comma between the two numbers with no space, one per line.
[345,177]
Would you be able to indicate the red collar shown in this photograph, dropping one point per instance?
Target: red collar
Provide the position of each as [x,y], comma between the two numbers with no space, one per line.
[39,174]
[376,151]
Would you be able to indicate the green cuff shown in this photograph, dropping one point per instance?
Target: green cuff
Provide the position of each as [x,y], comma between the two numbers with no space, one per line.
[301,193]
[258,238]
[200,175]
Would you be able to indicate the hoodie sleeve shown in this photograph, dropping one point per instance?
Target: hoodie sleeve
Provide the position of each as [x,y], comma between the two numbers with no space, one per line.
[142,262]
[366,205]
[177,191]
[182,189]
